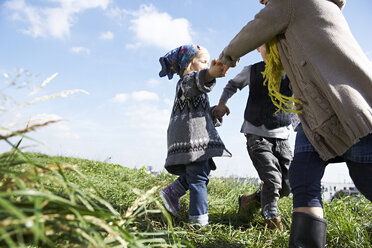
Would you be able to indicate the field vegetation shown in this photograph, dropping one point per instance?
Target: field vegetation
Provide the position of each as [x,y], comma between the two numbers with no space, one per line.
[69,202]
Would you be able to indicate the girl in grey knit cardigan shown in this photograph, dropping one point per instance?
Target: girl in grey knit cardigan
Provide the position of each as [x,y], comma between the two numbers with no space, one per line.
[192,138]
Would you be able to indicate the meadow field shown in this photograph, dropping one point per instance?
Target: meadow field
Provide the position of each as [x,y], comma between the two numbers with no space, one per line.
[55,201]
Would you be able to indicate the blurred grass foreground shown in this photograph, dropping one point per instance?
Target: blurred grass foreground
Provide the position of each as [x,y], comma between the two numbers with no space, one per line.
[68,202]
[55,201]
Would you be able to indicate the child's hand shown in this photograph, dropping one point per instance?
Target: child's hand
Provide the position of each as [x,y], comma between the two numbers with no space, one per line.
[225,67]
[220,110]
[217,69]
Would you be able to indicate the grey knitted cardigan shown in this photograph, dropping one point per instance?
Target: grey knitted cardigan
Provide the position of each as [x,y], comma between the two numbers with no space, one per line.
[191,133]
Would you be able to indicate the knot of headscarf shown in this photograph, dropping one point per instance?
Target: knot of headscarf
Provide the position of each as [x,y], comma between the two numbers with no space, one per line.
[176,60]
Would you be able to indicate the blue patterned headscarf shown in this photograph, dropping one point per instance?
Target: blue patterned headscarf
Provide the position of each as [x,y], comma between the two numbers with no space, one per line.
[176,60]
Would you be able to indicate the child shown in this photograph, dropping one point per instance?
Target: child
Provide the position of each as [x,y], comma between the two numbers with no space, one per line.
[332,77]
[267,135]
[192,137]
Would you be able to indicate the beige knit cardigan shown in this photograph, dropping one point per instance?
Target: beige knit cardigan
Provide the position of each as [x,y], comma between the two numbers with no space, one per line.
[328,70]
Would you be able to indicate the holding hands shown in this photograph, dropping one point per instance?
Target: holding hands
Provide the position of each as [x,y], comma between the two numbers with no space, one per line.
[216,70]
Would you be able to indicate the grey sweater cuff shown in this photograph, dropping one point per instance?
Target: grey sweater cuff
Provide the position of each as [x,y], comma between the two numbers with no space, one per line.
[203,86]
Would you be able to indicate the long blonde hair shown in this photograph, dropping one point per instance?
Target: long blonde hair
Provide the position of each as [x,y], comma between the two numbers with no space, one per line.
[273,74]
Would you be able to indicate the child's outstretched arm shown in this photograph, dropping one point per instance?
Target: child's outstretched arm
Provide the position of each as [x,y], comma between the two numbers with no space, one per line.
[238,82]
[191,86]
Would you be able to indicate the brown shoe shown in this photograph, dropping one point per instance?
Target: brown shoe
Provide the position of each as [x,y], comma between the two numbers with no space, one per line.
[248,203]
[275,223]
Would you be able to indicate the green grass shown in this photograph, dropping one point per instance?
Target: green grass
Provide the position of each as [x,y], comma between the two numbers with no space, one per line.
[83,197]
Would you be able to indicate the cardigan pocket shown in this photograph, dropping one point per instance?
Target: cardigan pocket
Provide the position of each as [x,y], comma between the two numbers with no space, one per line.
[316,107]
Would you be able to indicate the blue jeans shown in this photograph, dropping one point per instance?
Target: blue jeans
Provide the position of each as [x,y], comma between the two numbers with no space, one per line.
[271,157]
[196,180]
[307,170]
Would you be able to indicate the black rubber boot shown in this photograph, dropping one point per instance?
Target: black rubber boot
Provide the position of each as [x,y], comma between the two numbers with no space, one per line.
[307,231]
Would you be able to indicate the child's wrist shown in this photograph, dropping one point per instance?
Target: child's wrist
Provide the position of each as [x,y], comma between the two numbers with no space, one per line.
[222,103]
[209,76]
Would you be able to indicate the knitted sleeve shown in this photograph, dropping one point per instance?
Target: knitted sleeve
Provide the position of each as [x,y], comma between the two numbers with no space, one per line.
[238,82]
[272,20]
[193,84]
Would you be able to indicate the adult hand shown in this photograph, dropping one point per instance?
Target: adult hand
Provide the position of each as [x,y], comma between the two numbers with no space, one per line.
[225,69]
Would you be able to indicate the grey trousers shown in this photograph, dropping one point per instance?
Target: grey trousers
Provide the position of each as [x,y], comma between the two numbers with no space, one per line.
[271,157]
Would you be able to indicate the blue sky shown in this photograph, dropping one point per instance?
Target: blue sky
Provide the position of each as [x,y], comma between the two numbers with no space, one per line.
[110,49]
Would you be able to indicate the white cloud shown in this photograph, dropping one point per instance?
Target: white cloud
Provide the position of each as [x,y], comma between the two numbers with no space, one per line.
[168,101]
[120,98]
[144,96]
[80,50]
[117,13]
[60,129]
[143,114]
[60,132]
[16,121]
[106,36]
[155,28]
[44,117]
[153,83]
[78,5]
[51,21]
[137,96]
[148,120]
[133,46]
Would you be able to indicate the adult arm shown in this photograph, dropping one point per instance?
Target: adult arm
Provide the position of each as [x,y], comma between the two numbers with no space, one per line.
[272,20]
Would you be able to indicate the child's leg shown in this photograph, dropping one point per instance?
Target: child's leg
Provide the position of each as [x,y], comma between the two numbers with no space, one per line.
[197,179]
[181,185]
[268,168]
[284,154]
[171,194]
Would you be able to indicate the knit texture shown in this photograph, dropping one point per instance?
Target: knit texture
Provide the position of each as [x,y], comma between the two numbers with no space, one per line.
[260,109]
[191,133]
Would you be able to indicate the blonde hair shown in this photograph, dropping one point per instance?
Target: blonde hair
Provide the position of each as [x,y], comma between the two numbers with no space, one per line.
[273,74]
[202,51]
